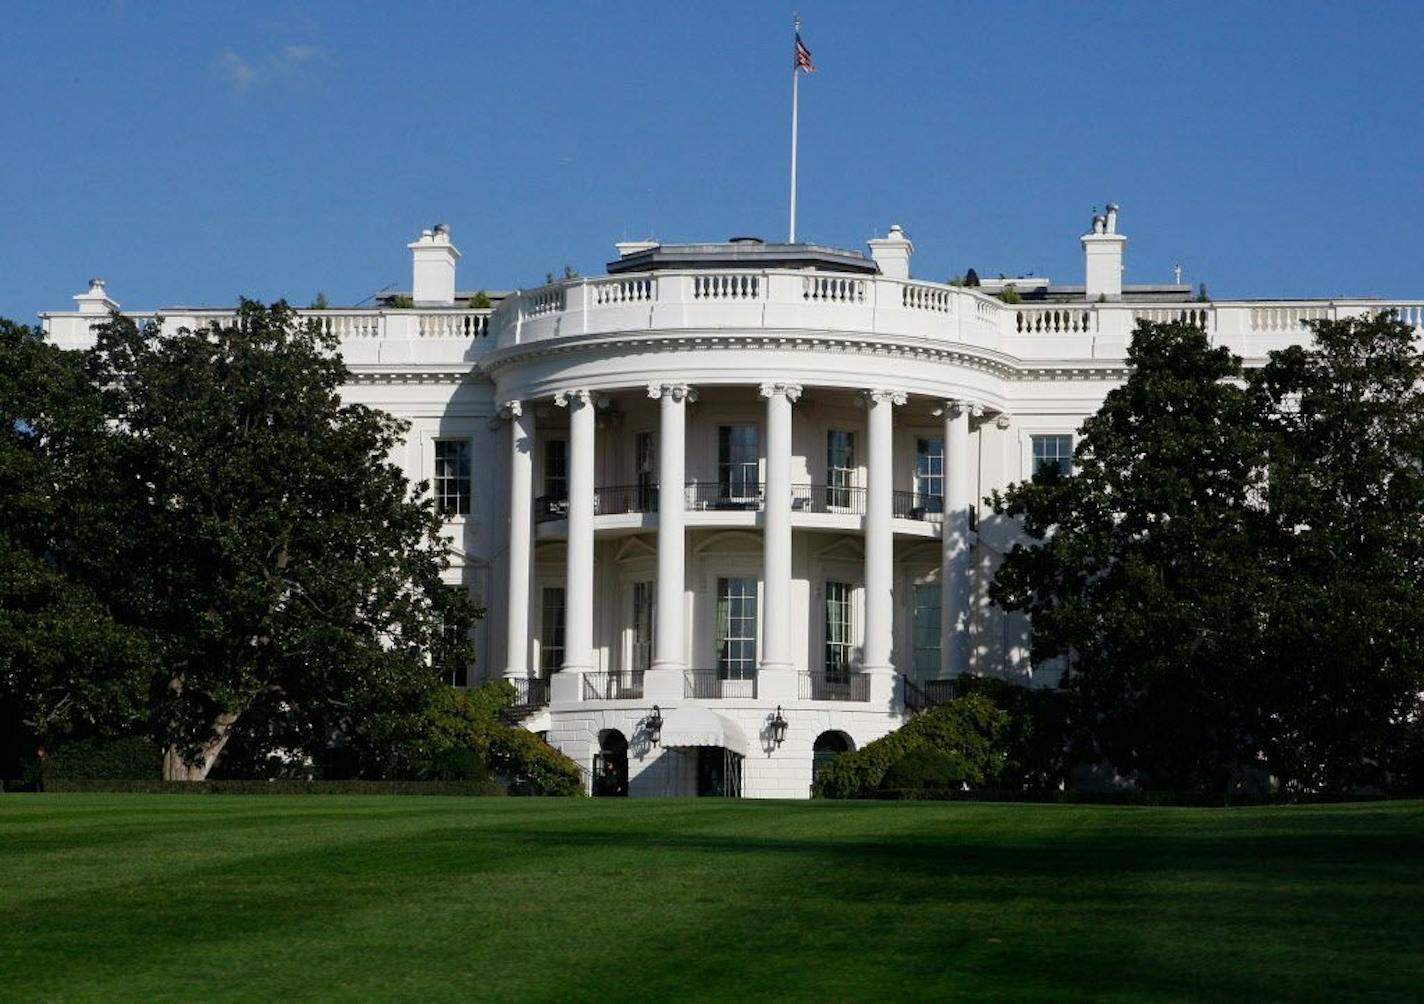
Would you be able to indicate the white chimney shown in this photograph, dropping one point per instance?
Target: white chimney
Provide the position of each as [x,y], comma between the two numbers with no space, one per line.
[625,248]
[433,268]
[1102,258]
[892,253]
[96,301]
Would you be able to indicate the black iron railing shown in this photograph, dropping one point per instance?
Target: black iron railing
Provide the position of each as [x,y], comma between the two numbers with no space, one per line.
[530,691]
[828,498]
[711,684]
[623,686]
[551,507]
[926,693]
[816,685]
[618,499]
[731,496]
[913,505]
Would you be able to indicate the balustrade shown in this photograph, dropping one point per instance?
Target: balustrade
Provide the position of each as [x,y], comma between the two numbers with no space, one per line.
[714,684]
[1200,317]
[915,296]
[638,289]
[726,285]
[833,289]
[1053,320]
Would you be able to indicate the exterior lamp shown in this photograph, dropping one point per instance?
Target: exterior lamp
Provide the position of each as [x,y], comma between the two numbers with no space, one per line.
[655,725]
[778,728]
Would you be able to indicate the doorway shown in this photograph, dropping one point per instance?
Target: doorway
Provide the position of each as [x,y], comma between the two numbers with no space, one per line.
[719,772]
[610,765]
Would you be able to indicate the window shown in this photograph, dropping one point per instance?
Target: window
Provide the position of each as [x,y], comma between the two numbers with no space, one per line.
[452,476]
[925,632]
[837,632]
[1052,453]
[736,628]
[645,599]
[929,474]
[455,672]
[840,467]
[551,631]
[737,461]
[645,457]
[556,469]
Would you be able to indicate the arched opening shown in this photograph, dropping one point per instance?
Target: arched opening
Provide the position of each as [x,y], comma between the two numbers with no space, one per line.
[610,765]
[827,747]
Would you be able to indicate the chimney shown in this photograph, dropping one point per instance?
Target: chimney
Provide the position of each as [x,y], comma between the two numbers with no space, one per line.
[1102,257]
[96,301]
[892,253]
[433,268]
[625,248]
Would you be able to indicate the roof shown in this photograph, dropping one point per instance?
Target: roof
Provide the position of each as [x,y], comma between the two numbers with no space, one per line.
[746,252]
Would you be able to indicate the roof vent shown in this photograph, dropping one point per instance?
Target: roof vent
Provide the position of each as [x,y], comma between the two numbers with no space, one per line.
[746,240]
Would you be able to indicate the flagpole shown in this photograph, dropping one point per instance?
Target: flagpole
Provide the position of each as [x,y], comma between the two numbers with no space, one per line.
[795,81]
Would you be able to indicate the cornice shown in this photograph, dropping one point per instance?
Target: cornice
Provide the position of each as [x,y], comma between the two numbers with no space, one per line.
[991,361]
[368,373]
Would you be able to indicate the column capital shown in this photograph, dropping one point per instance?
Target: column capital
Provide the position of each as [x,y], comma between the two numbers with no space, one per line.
[1003,421]
[511,409]
[954,407]
[791,391]
[581,397]
[677,391]
[880,395]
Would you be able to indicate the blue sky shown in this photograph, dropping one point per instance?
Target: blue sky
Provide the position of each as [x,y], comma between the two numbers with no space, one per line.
[192,152]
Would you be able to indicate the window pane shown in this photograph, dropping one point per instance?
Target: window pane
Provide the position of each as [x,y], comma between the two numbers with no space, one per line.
[644,617]
[551,631]
[929,474]
[452,476]
[840,467]
[1053,453]
[838,648]
[556,469]
[926,632]
[455,672]
[646,464]
[737,460]
[736,628]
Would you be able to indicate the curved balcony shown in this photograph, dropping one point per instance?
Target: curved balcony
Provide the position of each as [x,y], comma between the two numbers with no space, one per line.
[706,497]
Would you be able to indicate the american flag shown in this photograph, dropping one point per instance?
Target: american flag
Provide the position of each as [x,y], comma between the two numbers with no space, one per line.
[803,56]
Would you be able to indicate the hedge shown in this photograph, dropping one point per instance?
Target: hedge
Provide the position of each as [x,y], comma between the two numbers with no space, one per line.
[127,758]
[283,787]
[965,728]
[924,767]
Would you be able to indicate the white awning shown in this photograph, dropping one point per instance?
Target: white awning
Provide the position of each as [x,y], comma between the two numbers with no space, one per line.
[695,726]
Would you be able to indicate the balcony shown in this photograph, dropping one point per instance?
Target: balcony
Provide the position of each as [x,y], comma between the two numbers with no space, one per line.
[927,694]
[843,500]
[625,686]
[816,685]
[701,496]
[712,684]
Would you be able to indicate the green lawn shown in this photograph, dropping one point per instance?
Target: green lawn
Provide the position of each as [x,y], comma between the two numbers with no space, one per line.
[400,898]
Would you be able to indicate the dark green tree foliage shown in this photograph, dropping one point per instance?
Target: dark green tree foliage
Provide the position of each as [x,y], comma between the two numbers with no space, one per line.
[1143,578]
[252,525]
[66,667]
[1346,495]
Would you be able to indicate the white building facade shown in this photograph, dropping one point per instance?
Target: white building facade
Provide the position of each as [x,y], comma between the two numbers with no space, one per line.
[725,505]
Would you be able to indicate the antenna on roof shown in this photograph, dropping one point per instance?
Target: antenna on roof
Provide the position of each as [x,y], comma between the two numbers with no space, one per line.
[1176,275]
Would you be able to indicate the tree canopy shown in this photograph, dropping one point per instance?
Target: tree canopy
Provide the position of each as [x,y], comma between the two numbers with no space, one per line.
[1232,572]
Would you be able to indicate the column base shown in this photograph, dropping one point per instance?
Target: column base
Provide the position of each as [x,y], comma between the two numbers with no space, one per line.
[777,683]
[566,687]
[663,683]
[884,686]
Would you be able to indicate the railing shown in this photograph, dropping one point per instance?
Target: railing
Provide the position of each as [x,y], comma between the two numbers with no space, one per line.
[638,289]
[711,684]
[913,505]
[624,686]
[920,296]
[1053,320]
[744,495]
[726,286]
[816,685]
[1199,317]
[1286,317]
[461,324]
[548,508]
[530,691]
[833,289]
[828,499]
[619,499]
[927,693]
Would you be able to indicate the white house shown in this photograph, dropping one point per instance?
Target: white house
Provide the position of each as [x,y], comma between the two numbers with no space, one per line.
[735,484]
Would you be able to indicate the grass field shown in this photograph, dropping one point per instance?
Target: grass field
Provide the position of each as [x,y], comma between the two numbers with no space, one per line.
[327,897]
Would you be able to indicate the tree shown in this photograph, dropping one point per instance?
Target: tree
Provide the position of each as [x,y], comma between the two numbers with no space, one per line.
[251,524]
[1346,497]
[66,667]
[1140,573]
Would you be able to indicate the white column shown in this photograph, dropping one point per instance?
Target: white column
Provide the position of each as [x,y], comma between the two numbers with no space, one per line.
[521,532]
[669,650]
[879,534]
[578,591]
[955,597]
[776,543]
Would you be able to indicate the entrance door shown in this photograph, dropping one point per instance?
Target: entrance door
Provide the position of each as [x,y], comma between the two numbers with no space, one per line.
[610,765]
[719,772]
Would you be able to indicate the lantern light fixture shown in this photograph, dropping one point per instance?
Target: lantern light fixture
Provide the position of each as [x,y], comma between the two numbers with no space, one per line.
[654,725]
[778,728]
